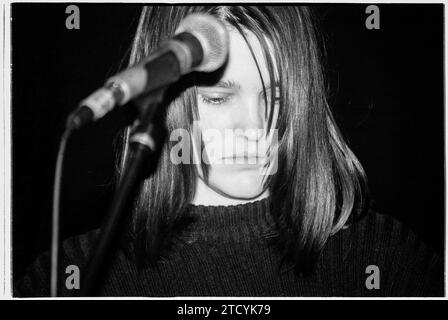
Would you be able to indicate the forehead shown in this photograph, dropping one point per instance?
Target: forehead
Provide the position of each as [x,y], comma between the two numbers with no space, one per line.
[241,66]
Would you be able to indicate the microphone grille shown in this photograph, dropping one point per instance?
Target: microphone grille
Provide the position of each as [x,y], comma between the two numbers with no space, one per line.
[213,36]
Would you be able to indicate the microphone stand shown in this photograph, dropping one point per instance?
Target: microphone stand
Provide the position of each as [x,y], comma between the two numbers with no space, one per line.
[145,144]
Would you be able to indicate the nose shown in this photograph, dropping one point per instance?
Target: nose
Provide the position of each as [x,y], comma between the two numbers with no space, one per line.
[250,119]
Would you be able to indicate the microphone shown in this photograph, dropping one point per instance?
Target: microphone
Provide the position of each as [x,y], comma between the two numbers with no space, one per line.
[200,43]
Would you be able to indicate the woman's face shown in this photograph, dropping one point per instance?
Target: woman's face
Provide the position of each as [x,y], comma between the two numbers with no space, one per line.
[233,122]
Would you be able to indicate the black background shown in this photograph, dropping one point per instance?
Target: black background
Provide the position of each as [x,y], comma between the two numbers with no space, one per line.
[387,94]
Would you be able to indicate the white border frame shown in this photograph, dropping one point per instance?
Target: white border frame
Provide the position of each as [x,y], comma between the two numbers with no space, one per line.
[5,146]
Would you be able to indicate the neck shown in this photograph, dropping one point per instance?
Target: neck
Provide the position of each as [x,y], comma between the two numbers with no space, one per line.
[206,196]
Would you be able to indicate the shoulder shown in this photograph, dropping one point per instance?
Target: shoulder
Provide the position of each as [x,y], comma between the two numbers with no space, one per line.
[386,234]
[78,248]
[408,266]
[36,280]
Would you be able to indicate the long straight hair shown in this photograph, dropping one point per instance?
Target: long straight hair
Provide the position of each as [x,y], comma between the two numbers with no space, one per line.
[319,183]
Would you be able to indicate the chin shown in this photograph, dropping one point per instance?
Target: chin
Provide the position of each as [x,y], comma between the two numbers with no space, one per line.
[238,185]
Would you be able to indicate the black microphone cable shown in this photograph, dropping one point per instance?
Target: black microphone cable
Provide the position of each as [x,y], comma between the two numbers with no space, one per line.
[55,243]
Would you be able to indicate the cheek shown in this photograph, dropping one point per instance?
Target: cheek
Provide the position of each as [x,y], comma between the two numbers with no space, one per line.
[212,125]
[218,118]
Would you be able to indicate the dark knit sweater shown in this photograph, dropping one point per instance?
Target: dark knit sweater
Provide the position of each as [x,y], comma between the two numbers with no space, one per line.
[225,255]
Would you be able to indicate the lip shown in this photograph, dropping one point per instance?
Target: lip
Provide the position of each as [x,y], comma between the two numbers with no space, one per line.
[245,157]
[244,160]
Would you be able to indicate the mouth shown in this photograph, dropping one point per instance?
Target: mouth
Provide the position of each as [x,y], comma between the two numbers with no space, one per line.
[244,159]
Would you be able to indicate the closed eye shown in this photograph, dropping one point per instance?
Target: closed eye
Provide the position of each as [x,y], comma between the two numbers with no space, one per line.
[215,101]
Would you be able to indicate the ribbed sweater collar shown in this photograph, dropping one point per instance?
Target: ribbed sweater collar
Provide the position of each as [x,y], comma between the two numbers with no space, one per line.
[243,221]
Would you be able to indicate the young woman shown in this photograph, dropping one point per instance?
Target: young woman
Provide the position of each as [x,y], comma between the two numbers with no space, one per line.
[273,201]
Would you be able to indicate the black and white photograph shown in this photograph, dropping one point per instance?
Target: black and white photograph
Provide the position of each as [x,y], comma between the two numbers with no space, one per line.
[240,150]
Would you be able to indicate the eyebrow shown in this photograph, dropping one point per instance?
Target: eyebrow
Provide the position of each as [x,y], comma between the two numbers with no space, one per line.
[230,84]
